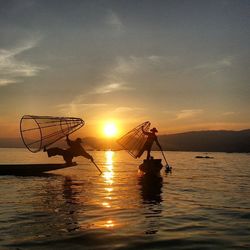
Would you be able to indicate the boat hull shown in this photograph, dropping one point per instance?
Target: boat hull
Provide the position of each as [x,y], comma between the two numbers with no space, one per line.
[151,167]
[31,169]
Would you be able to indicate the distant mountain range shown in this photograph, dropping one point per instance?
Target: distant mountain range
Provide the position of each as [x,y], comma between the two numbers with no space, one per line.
[209,141]
[11,143]
[204,141]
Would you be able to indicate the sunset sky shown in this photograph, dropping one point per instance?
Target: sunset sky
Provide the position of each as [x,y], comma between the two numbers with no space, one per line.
[183,65]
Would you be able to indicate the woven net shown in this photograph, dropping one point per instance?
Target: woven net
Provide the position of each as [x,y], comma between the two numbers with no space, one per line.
[135,139]
[38,132]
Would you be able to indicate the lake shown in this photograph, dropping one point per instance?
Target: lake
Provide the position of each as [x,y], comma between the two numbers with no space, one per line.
[202,204]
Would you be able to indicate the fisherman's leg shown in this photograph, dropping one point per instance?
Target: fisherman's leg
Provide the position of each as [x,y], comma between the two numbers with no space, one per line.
[148,154]
[54,151]
[67,156]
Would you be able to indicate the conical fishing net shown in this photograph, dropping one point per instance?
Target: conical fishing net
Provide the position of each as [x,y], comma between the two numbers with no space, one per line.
[135,139]
[40,131]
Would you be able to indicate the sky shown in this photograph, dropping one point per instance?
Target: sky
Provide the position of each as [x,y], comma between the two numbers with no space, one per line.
[183,65]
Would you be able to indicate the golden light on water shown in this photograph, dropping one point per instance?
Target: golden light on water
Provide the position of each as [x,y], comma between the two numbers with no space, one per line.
[109,224]
[106,204]
[109,189]
[109,157]
[108,176]
[109,173]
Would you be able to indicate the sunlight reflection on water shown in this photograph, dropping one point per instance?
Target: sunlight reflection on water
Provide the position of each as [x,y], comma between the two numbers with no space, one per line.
[108,175]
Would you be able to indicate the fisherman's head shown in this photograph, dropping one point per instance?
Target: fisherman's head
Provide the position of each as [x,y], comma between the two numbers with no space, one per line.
[79,140]
[153,130]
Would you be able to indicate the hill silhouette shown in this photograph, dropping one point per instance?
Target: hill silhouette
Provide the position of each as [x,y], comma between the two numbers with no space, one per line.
[203,141]
[210,141]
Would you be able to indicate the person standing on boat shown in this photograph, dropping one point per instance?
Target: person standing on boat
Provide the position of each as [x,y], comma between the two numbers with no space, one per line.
[151,138]
[75,149]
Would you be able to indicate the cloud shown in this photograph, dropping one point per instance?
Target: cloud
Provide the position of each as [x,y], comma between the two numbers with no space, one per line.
[188,113]
[111,88]
[121,110]
[120,73]
[76,107]
[12,69]
[229,113]
[4,82]
[216,66]
[133,63]
[114,21]
[115,79]
[116,76]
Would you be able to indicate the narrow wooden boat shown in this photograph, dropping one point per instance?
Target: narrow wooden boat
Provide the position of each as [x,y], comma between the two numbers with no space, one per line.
[31,169]
[151,167]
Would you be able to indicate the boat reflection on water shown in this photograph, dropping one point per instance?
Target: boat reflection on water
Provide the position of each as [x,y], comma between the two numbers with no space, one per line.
[151,194]
[151,188]
[51,208]
[71,204]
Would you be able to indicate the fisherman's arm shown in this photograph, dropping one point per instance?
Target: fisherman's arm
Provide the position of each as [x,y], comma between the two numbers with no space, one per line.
[69,142]
[86,154]
[144,132]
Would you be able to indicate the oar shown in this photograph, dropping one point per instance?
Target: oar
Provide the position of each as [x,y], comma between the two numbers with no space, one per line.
[168,167]
[97,167]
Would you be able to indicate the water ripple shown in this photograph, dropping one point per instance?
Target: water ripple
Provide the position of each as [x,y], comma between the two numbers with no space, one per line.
[201,205]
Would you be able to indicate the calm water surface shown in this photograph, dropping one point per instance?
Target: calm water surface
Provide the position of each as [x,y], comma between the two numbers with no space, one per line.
[203,204]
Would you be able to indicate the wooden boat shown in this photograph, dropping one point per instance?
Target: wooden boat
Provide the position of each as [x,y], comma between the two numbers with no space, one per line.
[151,167]
[31,169]
[203,157]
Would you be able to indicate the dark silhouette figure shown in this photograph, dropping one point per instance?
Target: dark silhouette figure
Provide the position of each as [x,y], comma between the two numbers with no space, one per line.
[75,149]
[149,142]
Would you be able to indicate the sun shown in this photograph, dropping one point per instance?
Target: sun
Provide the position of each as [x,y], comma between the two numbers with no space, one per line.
[110,129]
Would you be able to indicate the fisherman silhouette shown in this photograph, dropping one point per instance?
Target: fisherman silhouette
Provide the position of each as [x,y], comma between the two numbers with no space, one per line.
[151,138]
[75,149]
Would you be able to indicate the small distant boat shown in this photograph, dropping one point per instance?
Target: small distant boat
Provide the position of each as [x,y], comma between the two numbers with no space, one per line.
[32,169]
[151,167]
[203,157]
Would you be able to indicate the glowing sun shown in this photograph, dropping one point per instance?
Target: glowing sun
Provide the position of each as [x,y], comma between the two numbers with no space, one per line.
[110,129]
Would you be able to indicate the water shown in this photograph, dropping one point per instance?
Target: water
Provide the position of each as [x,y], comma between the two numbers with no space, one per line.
[203,204]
